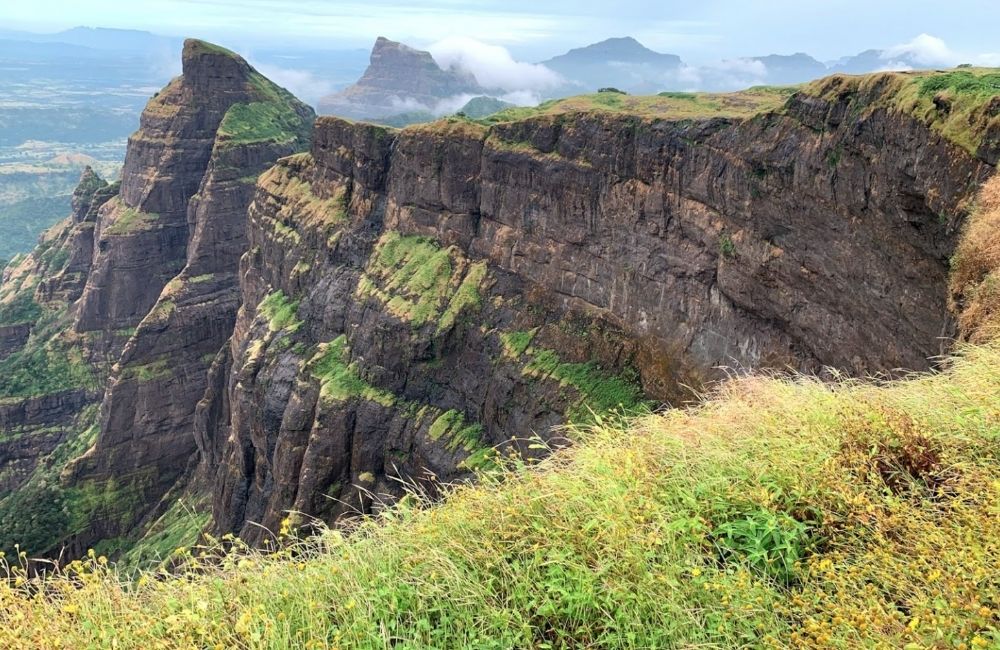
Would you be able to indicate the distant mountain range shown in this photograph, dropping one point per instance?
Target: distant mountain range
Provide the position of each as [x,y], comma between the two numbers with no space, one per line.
[403,85]
[618,62]
[400,79]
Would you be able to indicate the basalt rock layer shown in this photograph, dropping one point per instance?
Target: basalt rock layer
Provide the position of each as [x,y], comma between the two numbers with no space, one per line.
[414,299]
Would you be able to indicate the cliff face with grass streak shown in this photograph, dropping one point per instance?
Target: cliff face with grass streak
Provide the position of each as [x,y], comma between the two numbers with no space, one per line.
[412,299]
[407,304]
[193,166]
[146,286]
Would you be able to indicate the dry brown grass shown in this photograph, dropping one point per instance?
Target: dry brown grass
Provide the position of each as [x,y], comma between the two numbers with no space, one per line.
[975,279]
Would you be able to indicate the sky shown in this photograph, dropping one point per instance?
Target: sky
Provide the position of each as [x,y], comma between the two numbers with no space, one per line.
[698,30]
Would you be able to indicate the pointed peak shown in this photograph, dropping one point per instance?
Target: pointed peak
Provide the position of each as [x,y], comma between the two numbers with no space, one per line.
[89,181]
[389,50]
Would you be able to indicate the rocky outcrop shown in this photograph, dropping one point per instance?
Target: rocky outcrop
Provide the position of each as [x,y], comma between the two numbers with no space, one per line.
[398,79]
[412,299]
[192,165]
[31,429]
[66,285]
[141,282]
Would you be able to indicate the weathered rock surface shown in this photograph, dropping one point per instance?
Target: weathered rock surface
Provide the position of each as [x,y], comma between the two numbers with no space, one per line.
[815,236]
[153,264]
[66,285]
[398,79]
[31,429]
[196,171]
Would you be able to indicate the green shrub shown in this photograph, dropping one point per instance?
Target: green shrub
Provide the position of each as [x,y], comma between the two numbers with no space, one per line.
[22,309]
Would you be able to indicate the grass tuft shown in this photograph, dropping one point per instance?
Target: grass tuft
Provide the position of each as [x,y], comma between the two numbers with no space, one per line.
[975,277]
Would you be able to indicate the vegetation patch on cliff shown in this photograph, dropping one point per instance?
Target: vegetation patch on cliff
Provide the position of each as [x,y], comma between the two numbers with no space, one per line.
[451,427]
[599,392]
[129,220]
[338,378]
[36,516]
[962,105]
[421,282]
[20,308]
[157,369]
[180,526]
[46,364]
[280,311]
[297,202]
[975,277]
[262,122]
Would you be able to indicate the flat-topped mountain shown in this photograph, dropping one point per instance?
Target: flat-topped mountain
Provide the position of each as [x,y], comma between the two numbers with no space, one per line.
[399,78]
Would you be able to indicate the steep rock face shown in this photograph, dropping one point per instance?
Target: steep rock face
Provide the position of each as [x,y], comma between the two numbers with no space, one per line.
[398,79]
[133,296]
[90,195]
[49,376]
[32,428]
[230,124]
[373,372]
[143,232]
[413,298]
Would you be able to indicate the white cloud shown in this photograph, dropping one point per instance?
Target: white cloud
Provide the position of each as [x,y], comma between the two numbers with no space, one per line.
[729,74]
[301,83]
[521,98]
[895,66]
[931,51]
[924,49]
[492,65]
[451,105]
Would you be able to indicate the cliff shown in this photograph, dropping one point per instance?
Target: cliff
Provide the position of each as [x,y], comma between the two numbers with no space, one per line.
[314,332]
[415,300]
[147,284]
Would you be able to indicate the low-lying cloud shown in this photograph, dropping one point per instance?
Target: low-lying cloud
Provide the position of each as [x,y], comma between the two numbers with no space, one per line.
[453,104]
[301,83]
[930,51]
[492,65]
[729,74]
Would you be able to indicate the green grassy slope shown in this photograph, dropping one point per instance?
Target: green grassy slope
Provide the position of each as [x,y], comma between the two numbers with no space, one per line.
[780,512]
[668,105]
